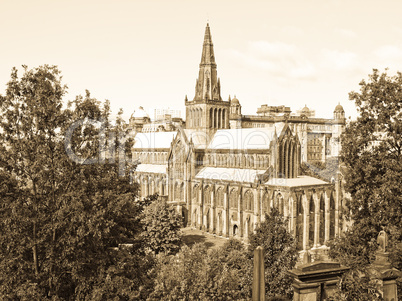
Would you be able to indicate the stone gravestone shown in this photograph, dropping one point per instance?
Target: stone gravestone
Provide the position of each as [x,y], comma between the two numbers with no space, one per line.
[380,271]
[258,275]
[313,281]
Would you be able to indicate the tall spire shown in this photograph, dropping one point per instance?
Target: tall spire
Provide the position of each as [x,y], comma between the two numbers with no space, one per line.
[208,48]
[208,85]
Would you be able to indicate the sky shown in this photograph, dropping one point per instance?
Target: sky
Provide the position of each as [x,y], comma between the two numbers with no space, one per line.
[147,53]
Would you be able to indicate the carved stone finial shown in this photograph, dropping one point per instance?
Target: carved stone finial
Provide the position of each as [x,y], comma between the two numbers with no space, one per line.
[382,241]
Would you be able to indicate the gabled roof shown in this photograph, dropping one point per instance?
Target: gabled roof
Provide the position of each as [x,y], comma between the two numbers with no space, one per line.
[229,174]
[249,138]
[279,126]
[152,168]
[153,140]
[296,182]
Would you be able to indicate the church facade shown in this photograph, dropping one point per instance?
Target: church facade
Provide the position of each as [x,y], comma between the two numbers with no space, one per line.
[224,171]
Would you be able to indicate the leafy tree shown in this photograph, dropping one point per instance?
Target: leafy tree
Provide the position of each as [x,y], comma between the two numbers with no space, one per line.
[60,219]
[230,271]
[280,253]
[356,247]
[372,151]
[162,223]
[129,277]
[372,158]
[182,276]
[197,273]
[355,285]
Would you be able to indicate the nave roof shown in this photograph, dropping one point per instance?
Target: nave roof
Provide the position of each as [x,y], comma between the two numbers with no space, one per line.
[245,138]
[229,174]
[153,140]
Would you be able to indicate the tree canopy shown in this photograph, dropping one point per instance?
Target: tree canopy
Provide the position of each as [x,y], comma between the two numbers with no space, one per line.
[162,225]
[372,152]
[371,159]
[196,273]
[60,220]
[280,253]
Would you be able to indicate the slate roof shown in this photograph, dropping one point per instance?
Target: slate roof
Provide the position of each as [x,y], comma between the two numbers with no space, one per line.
[152,168]
[296,182]
[229,174]
[153,140]
[246,138]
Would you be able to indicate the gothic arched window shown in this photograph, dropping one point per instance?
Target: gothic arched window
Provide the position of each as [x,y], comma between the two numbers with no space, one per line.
[219,197]
[249,200]
[233,199]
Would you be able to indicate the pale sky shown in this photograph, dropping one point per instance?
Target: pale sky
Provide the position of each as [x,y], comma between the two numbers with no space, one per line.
[146,53]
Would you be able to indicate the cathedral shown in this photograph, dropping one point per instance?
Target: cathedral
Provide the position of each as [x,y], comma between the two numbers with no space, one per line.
[224,171]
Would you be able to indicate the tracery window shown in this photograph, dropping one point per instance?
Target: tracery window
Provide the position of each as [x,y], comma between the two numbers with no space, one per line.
[249,200]
[207,195]
[233,199]
[219,197]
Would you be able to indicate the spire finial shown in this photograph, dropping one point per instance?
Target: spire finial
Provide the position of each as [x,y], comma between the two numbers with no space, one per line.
[207,85]
[208,56]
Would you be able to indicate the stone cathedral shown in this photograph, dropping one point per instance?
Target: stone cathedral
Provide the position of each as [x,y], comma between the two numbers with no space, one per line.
[224,170]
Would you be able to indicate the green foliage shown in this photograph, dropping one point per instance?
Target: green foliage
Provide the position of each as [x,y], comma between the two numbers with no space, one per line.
[356,247]
[198,274]
[372,151]
[372,158]
[230,271]
[59,219]
[355,286]
[280,253]
[125,279]
[324,171]
[162,223]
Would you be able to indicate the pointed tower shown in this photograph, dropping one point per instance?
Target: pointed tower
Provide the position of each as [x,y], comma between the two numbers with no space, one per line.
[207,111]
[207,86]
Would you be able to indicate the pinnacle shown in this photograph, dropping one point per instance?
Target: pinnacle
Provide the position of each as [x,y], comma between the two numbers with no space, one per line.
[208,48]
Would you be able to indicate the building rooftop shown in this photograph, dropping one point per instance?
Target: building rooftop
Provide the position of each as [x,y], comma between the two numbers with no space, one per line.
[245,138]
[153,140]
[152,168]
[140,113]
[229,174]
[296,182]
[199,138]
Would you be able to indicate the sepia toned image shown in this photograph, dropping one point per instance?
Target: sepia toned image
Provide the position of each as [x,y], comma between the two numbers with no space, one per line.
[200,150]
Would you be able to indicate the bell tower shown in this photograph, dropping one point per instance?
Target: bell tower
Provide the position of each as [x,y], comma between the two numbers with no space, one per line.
[207,111]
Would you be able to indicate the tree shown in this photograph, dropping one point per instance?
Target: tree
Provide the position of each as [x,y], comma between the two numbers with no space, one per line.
[372,152]
[60,218]
[197,273]
[231,272]
[181,276]
[372,159]
[354,285]
[356,247]
[280,253]
[162,223]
